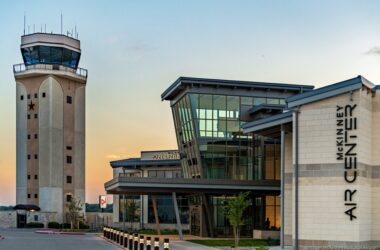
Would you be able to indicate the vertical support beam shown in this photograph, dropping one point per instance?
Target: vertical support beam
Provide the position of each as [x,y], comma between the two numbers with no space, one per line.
[125,210]
[178,219]
[282,186]
[296,137]
[124,205]
[154,202]
[208,215]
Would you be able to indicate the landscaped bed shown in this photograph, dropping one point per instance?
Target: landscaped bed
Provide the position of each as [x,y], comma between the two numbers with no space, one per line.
[242,242]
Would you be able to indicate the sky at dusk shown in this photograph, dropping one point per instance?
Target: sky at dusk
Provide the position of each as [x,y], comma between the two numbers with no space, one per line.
[135,49]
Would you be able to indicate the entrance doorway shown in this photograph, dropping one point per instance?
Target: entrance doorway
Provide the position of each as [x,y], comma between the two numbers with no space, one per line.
[21,220]
[195,220]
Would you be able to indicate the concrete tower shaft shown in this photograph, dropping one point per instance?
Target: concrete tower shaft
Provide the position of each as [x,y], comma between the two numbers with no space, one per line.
[50,123]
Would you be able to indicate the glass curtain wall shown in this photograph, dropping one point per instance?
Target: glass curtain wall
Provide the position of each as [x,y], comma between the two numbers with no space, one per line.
[129,206]
[212,143]
[165,209]
[213,146]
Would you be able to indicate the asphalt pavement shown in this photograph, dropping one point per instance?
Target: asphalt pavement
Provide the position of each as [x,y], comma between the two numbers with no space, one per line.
[19,239]
[35,239]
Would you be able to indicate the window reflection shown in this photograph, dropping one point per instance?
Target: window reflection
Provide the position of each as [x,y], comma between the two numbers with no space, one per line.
[208,128]
[50,55]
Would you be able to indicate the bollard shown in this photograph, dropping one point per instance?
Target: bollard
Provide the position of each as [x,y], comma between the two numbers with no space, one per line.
[126,240]
[166,244]
[130,242]
[148,243]
[142,241]
[111,235]
[136,242]
[121,238]
[117,236]
[104,232]
[156,243]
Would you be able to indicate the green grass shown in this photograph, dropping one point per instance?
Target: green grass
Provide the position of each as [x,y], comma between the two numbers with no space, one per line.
[242,242]
[163,232]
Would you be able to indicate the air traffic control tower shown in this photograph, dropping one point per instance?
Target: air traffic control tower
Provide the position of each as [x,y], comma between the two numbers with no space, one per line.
[50,120]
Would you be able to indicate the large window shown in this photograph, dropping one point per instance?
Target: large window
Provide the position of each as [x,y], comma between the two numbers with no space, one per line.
[272,213]
[164,173]
[165,209]
[50,55]
[129,206]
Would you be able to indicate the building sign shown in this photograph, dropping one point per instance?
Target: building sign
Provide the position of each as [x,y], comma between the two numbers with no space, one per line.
[346,143]
[103,201]
[160,155]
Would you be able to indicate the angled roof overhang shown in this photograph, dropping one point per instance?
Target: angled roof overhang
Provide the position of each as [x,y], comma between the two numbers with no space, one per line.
[145,185]
[270,124]
[137,163]
[181,83]
[330,91]
[267,108]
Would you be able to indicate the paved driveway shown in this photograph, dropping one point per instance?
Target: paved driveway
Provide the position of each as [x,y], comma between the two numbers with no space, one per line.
[18,239]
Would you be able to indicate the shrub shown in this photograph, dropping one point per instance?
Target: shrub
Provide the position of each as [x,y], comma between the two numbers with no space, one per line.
[34,225]
[65,225]
[54,224]
[83,225]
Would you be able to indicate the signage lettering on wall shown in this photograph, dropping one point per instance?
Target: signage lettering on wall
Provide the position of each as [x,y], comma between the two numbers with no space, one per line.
[346,143]
[160,155]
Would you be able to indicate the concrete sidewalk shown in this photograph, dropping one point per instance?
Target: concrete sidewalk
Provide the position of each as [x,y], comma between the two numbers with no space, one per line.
[186,245]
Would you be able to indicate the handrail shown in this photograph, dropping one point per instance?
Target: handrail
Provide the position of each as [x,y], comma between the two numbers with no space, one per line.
[21,67]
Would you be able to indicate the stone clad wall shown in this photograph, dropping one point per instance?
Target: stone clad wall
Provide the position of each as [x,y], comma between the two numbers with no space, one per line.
[322,218]
[8,219]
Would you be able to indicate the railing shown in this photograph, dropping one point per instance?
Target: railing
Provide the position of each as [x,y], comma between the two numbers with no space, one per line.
[18,68]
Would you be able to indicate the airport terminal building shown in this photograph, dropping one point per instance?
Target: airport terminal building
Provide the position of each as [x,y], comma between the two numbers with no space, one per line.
[309,157]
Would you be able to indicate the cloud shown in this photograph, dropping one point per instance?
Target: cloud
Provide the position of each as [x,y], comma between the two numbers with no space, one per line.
[374,51]
[141,46]
[113,156]
[117,157]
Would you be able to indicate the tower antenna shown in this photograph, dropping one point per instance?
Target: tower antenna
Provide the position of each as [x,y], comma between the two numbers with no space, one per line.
[24,22]
[61,22]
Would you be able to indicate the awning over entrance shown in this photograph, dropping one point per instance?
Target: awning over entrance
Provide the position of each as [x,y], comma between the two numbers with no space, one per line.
[27,207]
[145,185]
[270,126]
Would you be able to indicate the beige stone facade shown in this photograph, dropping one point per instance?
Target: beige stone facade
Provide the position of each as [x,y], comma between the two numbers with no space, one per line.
[335,212]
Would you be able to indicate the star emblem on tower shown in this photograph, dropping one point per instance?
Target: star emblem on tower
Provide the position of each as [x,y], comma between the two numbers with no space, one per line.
[31,106]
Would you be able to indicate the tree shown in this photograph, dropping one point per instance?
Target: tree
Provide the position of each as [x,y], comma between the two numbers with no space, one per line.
[74,206]
[235,207]
[131,208]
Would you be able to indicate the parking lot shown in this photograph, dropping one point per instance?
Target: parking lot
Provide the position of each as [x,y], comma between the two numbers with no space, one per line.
[16,239]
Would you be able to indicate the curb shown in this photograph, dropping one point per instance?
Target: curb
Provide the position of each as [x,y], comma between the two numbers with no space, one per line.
[71,233]
[44,232]
[54,232]
[111,242]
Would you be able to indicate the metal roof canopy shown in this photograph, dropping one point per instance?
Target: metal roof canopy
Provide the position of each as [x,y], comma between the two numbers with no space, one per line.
[136,163]
[180,83]
[146,185]
[330,91]
[269,125]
